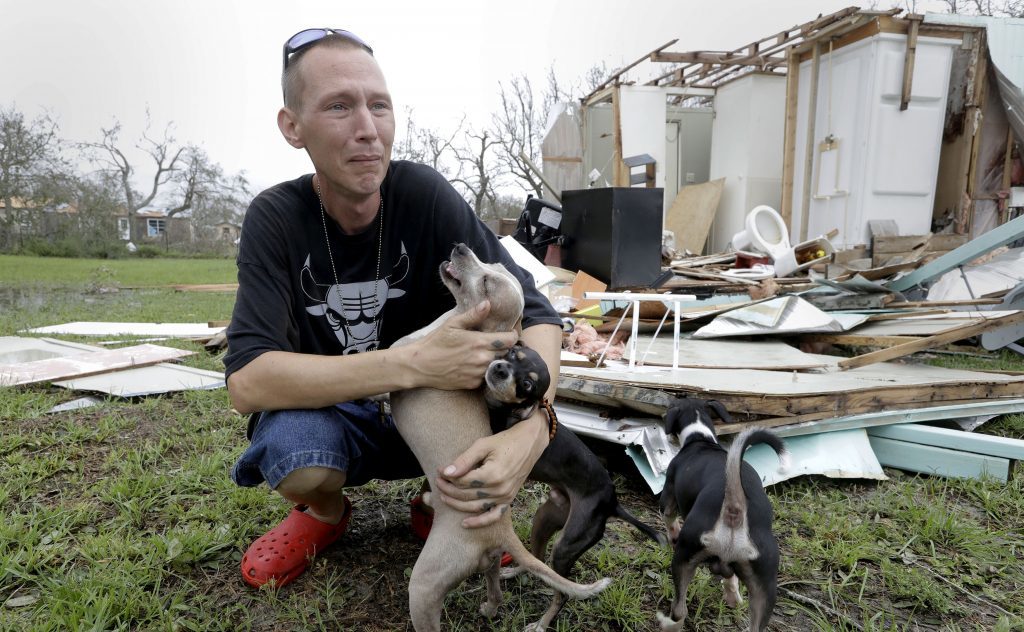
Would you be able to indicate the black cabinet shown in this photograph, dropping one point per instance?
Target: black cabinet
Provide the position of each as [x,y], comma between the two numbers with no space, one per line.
[613,234]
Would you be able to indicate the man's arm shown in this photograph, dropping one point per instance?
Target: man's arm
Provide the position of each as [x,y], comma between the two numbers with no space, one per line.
[450,357]
[507,457]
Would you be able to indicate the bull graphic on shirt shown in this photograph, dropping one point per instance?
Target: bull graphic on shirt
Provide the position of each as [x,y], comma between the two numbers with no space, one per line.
[353,309]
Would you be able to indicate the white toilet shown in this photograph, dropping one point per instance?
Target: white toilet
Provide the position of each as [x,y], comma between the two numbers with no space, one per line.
[764,231]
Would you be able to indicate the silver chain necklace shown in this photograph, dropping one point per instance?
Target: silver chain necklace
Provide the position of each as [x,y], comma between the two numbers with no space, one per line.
[330,256]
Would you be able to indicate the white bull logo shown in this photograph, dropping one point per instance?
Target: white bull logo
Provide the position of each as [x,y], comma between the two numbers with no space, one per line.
[352,309]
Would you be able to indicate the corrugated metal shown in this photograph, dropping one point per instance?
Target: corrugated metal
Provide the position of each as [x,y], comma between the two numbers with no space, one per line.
[1006,48]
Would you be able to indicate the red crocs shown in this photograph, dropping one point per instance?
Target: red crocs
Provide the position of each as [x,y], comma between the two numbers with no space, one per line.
[422,518]
[283,553]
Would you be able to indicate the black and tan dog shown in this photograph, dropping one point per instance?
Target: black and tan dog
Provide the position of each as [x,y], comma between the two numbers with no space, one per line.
[726,515]
[582,496]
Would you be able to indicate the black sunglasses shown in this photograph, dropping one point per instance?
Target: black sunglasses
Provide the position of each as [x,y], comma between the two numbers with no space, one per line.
[306,37]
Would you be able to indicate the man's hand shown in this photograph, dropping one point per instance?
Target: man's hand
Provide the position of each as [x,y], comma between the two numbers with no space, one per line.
[453,356]
[485,479]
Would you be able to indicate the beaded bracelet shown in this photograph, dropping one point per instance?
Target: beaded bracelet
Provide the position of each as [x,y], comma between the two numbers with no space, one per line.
[552,418]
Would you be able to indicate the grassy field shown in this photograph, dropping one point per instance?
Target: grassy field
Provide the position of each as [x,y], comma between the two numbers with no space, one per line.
[123,516]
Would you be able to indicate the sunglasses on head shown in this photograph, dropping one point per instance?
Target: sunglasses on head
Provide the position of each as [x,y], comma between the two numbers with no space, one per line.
[307,37]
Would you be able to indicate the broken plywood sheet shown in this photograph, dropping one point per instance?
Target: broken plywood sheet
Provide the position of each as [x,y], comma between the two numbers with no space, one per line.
[17,349]
[150,380]
[165,330]
[1014,322]
[692,213]
[86,364]
[928,325]
[796,396]
[769,355]
[759,382]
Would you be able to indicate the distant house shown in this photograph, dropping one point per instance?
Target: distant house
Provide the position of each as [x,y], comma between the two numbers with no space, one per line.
[226,231]
[155,225]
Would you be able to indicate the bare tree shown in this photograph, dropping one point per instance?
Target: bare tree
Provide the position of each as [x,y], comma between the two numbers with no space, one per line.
[518,126]
[478,172]
[33,173]
[202,182]
[165,154]
[184,175]
[428,146]
[997,8]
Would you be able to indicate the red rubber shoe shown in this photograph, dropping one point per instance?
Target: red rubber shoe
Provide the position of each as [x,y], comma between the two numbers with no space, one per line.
[284,552]
[421,519]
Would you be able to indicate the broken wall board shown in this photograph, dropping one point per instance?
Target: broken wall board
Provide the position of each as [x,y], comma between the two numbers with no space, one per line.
[692,212]
[927,324]
[770,355]
[938,340]
[895,244]
[167,330]
[936,461]
[1004,447]
[843,454]
[999,236]
[18,349]
[86,364]
[150,380]
[868,416]
[779,394]
[778,315]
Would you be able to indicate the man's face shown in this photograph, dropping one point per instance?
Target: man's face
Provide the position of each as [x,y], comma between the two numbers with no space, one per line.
[345,119]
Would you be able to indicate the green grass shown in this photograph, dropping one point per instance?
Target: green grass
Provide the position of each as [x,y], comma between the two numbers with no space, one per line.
[122,517]
[74,273]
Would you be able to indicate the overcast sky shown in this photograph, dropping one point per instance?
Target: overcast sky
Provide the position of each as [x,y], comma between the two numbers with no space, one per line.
[213,67]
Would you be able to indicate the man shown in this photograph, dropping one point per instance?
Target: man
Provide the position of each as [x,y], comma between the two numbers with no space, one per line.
[332,269]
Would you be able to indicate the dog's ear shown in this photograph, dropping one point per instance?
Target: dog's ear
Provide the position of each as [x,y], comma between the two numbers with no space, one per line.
[673,421]
[720,410]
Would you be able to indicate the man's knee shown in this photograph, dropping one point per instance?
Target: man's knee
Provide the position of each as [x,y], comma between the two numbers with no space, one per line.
[311,479]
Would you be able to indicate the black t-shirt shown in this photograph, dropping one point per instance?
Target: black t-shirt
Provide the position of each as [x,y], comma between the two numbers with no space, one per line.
[288,299]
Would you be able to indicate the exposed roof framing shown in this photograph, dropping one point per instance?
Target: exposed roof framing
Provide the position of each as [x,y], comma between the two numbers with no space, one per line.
[707,69]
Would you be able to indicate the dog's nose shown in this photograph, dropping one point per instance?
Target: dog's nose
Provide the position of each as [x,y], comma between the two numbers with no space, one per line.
[460,249]
[501,371]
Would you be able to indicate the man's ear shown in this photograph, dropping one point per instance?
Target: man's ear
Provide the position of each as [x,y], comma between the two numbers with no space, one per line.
[519,326]
[288,123]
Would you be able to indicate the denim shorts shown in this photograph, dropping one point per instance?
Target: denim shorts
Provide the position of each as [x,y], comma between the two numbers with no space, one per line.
[351,437]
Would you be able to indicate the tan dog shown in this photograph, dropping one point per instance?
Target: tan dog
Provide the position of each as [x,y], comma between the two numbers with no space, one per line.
[440,425]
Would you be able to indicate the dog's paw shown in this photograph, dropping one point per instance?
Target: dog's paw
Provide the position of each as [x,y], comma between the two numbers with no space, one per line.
[536,626]
[666,624]
[510,571]
[731,591]
[489,609]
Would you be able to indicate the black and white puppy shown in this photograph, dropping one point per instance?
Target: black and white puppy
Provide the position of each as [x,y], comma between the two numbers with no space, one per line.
[726,515]
[582,496]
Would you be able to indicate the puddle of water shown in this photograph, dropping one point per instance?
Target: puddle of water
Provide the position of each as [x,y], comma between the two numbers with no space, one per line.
[32,298]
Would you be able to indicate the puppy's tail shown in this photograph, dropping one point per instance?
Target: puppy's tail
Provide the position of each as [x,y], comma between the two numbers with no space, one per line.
[734,506]
[571,589]
[646,529]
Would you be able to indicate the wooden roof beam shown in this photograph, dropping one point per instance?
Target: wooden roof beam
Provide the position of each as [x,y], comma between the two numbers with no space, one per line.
[716,57]
[618,73]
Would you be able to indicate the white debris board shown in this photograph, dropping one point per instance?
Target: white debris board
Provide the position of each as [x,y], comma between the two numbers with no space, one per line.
[86,364]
